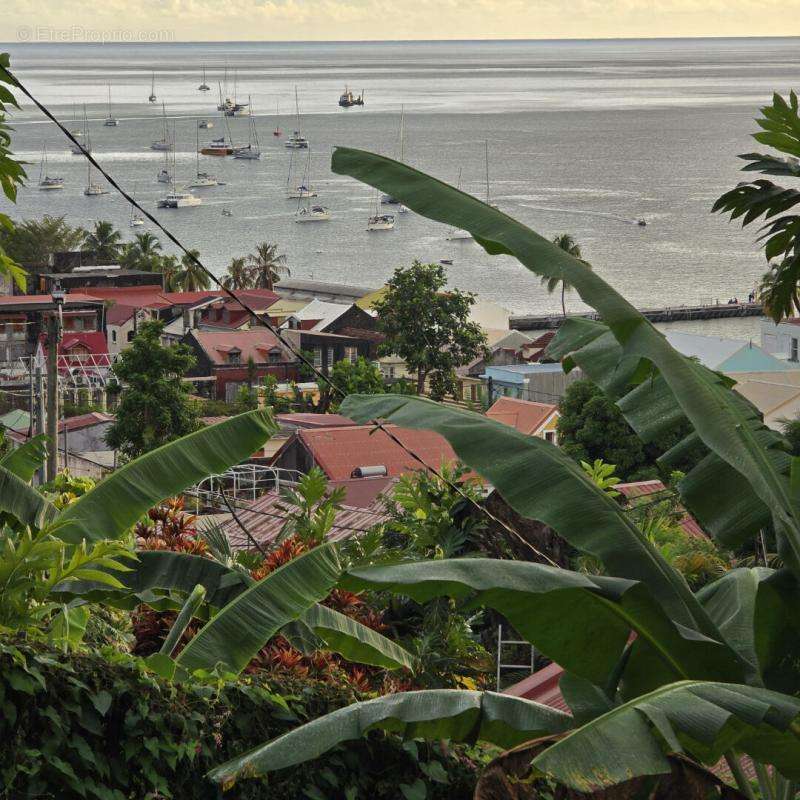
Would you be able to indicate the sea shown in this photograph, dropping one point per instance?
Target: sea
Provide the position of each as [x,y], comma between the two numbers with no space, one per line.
[582,137]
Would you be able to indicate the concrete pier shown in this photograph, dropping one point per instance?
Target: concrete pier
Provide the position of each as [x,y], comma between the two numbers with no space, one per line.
[666,314]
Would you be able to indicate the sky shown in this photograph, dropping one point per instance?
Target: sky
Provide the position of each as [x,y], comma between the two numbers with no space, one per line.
[294,20]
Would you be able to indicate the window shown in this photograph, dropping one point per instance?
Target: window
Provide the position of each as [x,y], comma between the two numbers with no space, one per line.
[331,357]
[550,436]
[131,334]
[274,356]
[235,356]
[113,336]
[793,355]
[351,354]
[318,357]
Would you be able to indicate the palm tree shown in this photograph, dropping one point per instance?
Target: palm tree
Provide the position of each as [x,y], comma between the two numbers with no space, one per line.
[103,244]
[268,265]
[569,245]
[146,243]
[33,241]
[239,275]
[171,270]
[144,253]
[192,277]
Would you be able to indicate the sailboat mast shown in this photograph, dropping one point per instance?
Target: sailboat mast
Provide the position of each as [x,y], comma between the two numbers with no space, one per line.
[486,152]
[297,110]
[402,133]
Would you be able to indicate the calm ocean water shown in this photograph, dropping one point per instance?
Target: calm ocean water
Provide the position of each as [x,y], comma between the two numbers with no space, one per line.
[583,137]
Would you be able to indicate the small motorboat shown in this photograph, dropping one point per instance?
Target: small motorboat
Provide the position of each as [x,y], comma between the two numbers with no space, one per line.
[205,124]
[458,235]
[347,99]
[226,212]
[641,222]
[217,147]
[300,192]
[446,261]
[164,176]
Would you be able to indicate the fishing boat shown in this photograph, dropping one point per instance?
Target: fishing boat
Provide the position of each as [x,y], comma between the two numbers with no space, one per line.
[252,150]
[314,213]
[164,143]
[202,180]
[205,124]
[378,221]
[92,189]
[204,87]
[297,141]
[46,181]
[152,97]
[303,190]
[277,132]
[79,149]
[111,121]
[387,199]
[347,99]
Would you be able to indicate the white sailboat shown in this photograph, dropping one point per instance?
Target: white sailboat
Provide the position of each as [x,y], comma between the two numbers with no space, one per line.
[46,181]
[86,146]
[152,97]
[111,121]
[76,132]
[387,199]
[202,180]
[297,141]
[165,176]
[136,221]
[378,221]
[277,132]
[204,87]
[304,190]
[488,187]
[164,143]
[458,234]
[309,212]
[252,150]
[92,189]
[178,199]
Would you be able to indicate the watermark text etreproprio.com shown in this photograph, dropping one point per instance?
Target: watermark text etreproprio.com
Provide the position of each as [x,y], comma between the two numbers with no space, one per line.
[79,33]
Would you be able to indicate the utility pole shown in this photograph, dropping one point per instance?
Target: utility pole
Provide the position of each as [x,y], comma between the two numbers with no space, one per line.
[53,339]
[52,397]
[40,414]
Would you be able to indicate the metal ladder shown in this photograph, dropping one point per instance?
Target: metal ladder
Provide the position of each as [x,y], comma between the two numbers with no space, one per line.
[500,644]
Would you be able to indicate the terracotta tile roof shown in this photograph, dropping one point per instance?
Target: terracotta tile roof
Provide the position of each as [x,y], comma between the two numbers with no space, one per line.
[265,517]
[527,417]
[254,344]
[338,451]
[364,492]
[542,687]
[646,488]
[119,313]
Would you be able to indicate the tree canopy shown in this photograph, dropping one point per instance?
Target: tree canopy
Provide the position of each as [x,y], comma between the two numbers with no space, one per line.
[428,326]
[154,408]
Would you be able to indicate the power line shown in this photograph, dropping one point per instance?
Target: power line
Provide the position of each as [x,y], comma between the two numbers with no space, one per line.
[325,380]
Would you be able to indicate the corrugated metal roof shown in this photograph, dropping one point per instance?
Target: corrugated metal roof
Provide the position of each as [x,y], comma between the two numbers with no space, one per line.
[645,488]
[524,415]
[265,517]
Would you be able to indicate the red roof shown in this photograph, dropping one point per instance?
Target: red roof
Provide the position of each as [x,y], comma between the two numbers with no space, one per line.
[645,488]
[118,313]
[93,341]
[301,420]
[44,299]
[542,687]
[254,344]
[85,421]
[363,492]
[338,451]
[527,417]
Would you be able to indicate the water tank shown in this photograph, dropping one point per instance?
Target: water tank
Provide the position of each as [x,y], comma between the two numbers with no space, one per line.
[369,472]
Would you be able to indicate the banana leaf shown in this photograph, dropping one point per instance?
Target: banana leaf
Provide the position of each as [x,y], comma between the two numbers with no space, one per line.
[708,403]
[540,482]
[113,506]
[234,635]
[354,641]
[758,612]
[704,720]
[20,500]
[24,460]
[434,714]
[719,496]
[580,621]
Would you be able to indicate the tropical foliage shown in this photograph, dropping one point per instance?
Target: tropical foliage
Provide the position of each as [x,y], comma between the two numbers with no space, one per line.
[34,241]
[567,243]
[762,199]
[261,269]
[707,674]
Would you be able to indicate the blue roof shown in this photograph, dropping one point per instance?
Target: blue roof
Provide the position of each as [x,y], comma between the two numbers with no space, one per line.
[516,373]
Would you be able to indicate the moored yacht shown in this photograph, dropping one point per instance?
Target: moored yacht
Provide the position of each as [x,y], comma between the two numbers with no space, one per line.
[164,176]
[296,141]
[313,214]
[177,199]
[347,99]
[204,87]
[381,222]
[252,150]
[205,124]
[152,97]
[164,143]
[217,147]
[111,121]
[47,181]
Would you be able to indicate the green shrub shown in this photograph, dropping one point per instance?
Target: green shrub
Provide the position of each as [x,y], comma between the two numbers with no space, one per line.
[100,725]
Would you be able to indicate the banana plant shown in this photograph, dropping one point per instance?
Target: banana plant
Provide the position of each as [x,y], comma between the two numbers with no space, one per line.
[651,669]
